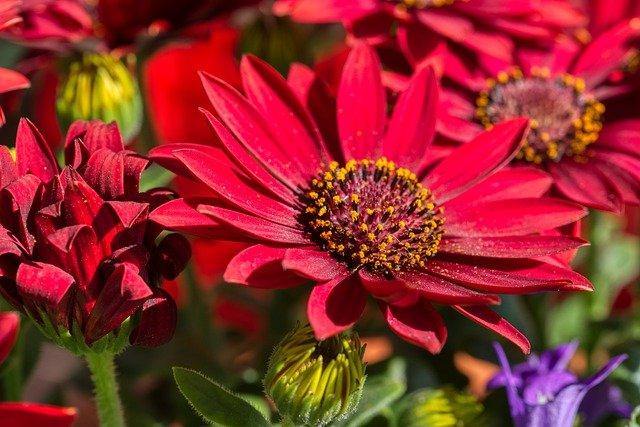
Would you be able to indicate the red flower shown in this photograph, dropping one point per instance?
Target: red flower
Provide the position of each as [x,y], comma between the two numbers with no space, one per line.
[9,13]
[605,14]
[77,250]
[9,81]
[593,161]
[341,213]
[124,20]
[51,23]
[485,27]
[18,414]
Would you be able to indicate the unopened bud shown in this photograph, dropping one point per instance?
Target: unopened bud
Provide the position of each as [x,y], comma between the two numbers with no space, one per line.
[100,86]
[316,382]
[444,407]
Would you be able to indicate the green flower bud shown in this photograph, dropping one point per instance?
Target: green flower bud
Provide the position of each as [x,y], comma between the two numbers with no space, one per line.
[443,407]
[100,86]
[315,382]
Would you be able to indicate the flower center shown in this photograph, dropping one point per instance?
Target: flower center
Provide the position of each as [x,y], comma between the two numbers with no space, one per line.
[421,4]
[565,119]
[374,215]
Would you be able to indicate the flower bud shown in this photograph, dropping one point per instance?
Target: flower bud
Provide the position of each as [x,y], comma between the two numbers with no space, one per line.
[100,86]
[442,407]
[316,382]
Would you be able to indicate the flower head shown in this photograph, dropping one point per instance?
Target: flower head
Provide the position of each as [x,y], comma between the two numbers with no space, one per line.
[592,158]
[100,87]
[543,392]
[314,383]
[355,211]
[476,26]
[78,252]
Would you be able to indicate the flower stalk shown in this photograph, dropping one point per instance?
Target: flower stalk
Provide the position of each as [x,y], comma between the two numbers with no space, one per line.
[103,375]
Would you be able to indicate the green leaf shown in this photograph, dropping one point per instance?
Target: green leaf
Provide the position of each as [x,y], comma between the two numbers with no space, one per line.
[380,391]
[215,403]
[155,176]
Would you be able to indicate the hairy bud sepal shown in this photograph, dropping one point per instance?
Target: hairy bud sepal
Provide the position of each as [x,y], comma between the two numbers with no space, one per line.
[316,382]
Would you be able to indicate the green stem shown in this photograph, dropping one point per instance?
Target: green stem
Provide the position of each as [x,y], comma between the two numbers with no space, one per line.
[103,374]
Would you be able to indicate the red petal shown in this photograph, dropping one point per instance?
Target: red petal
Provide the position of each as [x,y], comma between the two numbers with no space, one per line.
[260,266]
[476,160]
[510,247]
[413,123]
[584,185]
[8,169]
[361,105]
[419,324]
[491,320]
[172,255]
[335,306]
[21,414]
[444,291]
[509,277]
[124,292]
[252,130]
[178,215]
[33,155]
[230,186]
[254,227]
[47,287]
[314,264]
[288,118]
[9,327]
[158,321]
[512,217]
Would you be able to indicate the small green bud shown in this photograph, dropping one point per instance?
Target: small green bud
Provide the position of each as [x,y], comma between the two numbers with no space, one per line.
[443,407]
[99,86]
[315,382]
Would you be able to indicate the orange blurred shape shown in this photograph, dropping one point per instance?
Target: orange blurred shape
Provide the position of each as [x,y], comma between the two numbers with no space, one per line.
[378,349]
[478,371]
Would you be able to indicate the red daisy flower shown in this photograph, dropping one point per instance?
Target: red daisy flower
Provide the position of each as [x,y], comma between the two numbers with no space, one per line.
[77,251]
[17,414]
[359,215]
[593,161]
[485,27]
[10,81]
[604,14]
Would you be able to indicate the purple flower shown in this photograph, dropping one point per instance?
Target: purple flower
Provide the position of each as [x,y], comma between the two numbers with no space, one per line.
[542,392]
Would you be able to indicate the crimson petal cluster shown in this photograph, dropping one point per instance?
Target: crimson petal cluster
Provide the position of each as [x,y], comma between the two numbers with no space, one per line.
[477,226]
[593,158]
[76,248]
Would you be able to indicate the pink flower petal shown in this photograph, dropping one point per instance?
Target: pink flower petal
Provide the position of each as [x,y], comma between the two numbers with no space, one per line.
[335,306]
[419,324]
[9,327]
[260,266]
[491,320]
[443,291]
[511,217]
[412,126]
[313,263]
[20,414]
[474,161]
[362,105]
[33,155]
[510,246]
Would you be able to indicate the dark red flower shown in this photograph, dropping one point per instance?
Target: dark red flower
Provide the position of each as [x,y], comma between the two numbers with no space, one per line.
[18,414]
[594,160]
[605,14]
[359,214]
[51,23]
[10,81]
[9,13]
[123,20]
[77,249]
[484,27]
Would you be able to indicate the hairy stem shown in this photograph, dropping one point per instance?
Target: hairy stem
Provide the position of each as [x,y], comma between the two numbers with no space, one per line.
[103,374]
